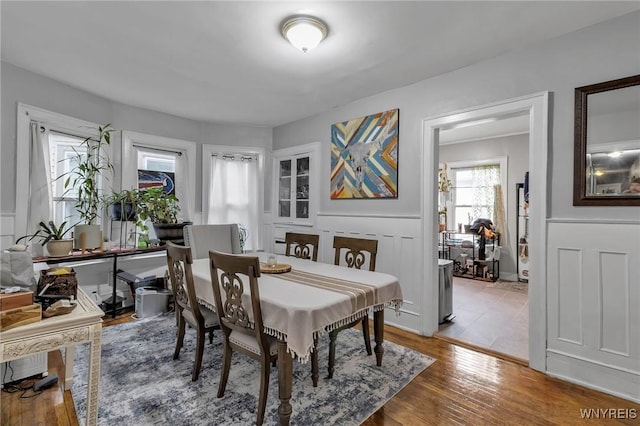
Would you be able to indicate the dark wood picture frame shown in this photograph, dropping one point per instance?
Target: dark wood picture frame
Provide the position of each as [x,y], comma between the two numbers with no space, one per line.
[580,196]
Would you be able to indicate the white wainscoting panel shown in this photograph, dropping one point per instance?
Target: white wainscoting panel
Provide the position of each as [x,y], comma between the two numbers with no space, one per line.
[569,296]
[399,251]
[593,279]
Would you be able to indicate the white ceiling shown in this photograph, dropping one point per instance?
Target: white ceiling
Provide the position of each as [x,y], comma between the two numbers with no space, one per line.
[227,62]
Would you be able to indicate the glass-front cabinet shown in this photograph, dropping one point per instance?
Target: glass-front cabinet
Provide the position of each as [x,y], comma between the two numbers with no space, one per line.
[296,184]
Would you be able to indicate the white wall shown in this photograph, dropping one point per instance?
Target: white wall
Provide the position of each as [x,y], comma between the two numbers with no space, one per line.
[516,149]
[599,53]
[20,85]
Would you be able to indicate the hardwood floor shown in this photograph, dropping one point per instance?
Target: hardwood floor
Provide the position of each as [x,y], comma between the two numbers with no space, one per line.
[462,387]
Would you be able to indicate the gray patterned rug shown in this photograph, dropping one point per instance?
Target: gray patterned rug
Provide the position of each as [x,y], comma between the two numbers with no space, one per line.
[141,384]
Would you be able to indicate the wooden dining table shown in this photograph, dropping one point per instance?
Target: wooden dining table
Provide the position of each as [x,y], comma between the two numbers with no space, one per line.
[311,299]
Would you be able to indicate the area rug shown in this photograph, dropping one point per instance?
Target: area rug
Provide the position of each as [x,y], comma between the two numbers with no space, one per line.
[141,384]
[517,287]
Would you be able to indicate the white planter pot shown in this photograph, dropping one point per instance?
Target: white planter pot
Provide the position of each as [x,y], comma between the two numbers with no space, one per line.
[57,248]
[91,235]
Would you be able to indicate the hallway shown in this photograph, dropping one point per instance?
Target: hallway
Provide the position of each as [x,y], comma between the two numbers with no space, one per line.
[490,317]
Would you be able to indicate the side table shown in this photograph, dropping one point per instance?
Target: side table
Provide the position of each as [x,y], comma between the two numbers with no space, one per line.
[83,324]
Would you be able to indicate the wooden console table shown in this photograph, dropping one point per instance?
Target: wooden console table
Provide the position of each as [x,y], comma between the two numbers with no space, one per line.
[83,324]
[113,254]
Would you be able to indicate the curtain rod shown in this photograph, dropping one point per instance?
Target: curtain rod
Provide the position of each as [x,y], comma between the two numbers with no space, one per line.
[42,129]
[236,156]
[178,153]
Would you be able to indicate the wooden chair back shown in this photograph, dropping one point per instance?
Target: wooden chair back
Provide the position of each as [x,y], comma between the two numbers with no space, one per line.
[179,263]
[230,275]
[301,245]
[355,251]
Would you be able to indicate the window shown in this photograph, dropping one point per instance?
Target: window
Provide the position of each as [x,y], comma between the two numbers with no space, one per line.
[159,154]
[232,189]
[63,150]
[474,185]
[43,139]
[474,193]
[156,162]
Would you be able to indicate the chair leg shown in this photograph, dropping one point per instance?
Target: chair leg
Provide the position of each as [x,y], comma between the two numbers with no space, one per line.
[211,337]
[180,338]
[264,390]
[199,351]
[365,333]
[314,362]
[226,364]
[332,352]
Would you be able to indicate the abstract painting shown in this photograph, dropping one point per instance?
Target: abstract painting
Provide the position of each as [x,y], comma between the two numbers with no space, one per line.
[364,157]
[151,178]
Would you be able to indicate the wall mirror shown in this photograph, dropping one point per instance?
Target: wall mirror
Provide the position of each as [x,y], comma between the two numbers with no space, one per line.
[607,144]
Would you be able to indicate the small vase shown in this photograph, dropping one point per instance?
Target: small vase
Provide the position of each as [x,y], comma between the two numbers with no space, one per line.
[92,238]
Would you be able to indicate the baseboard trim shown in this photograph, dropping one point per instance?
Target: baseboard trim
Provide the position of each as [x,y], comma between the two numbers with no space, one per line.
[594,375]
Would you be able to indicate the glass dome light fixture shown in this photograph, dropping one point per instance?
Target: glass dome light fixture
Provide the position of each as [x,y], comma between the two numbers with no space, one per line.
[304,32]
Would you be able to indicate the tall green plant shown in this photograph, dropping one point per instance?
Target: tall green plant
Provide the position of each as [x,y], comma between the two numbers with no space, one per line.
[93,163]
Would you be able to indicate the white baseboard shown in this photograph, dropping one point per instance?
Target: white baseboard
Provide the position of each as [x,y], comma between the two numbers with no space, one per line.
[594,375]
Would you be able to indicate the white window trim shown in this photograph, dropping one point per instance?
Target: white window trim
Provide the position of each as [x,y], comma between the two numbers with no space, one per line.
[130,164]
[55,121]
[208,151]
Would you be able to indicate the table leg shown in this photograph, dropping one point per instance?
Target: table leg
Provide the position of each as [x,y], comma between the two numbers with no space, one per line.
[378,331]
[94,375]
[115,285]
[314,362]
[69,354]
[285,380]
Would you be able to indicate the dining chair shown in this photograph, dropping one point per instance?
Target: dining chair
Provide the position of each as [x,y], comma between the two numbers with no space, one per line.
[356,251]
[231,275]
[219,237]
[304,246]
[188,310]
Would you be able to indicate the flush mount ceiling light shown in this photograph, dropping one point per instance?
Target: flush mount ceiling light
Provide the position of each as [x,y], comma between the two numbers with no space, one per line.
[304,32]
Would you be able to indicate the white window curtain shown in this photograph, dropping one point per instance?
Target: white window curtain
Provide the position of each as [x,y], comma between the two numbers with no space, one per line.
[183,192]
[234,195]
[40,196]
[484,179]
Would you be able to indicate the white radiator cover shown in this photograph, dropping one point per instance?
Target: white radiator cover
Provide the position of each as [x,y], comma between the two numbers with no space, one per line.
[24,367]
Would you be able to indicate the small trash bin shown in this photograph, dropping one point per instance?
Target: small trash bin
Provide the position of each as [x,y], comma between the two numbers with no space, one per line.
[445,283]
[151,301]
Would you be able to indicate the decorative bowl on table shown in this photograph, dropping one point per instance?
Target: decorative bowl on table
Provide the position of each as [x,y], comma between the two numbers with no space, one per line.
[277,268]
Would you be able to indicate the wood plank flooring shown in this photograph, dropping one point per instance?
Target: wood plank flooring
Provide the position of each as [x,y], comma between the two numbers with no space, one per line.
[462,387]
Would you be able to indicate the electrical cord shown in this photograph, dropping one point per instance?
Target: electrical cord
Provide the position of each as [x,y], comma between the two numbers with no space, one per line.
[4,377]
[24,386]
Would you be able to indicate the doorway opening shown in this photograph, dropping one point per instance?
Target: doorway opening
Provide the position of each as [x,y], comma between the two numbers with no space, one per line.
[534,109]
[480,165]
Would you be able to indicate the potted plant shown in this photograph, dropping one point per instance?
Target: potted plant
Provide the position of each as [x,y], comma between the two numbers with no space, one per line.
[52,236]
[122,205]
[91,164]
[161,209]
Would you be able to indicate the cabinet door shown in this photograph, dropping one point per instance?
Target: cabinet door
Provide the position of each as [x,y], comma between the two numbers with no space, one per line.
[284,188]
[295,192]
[302,187]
